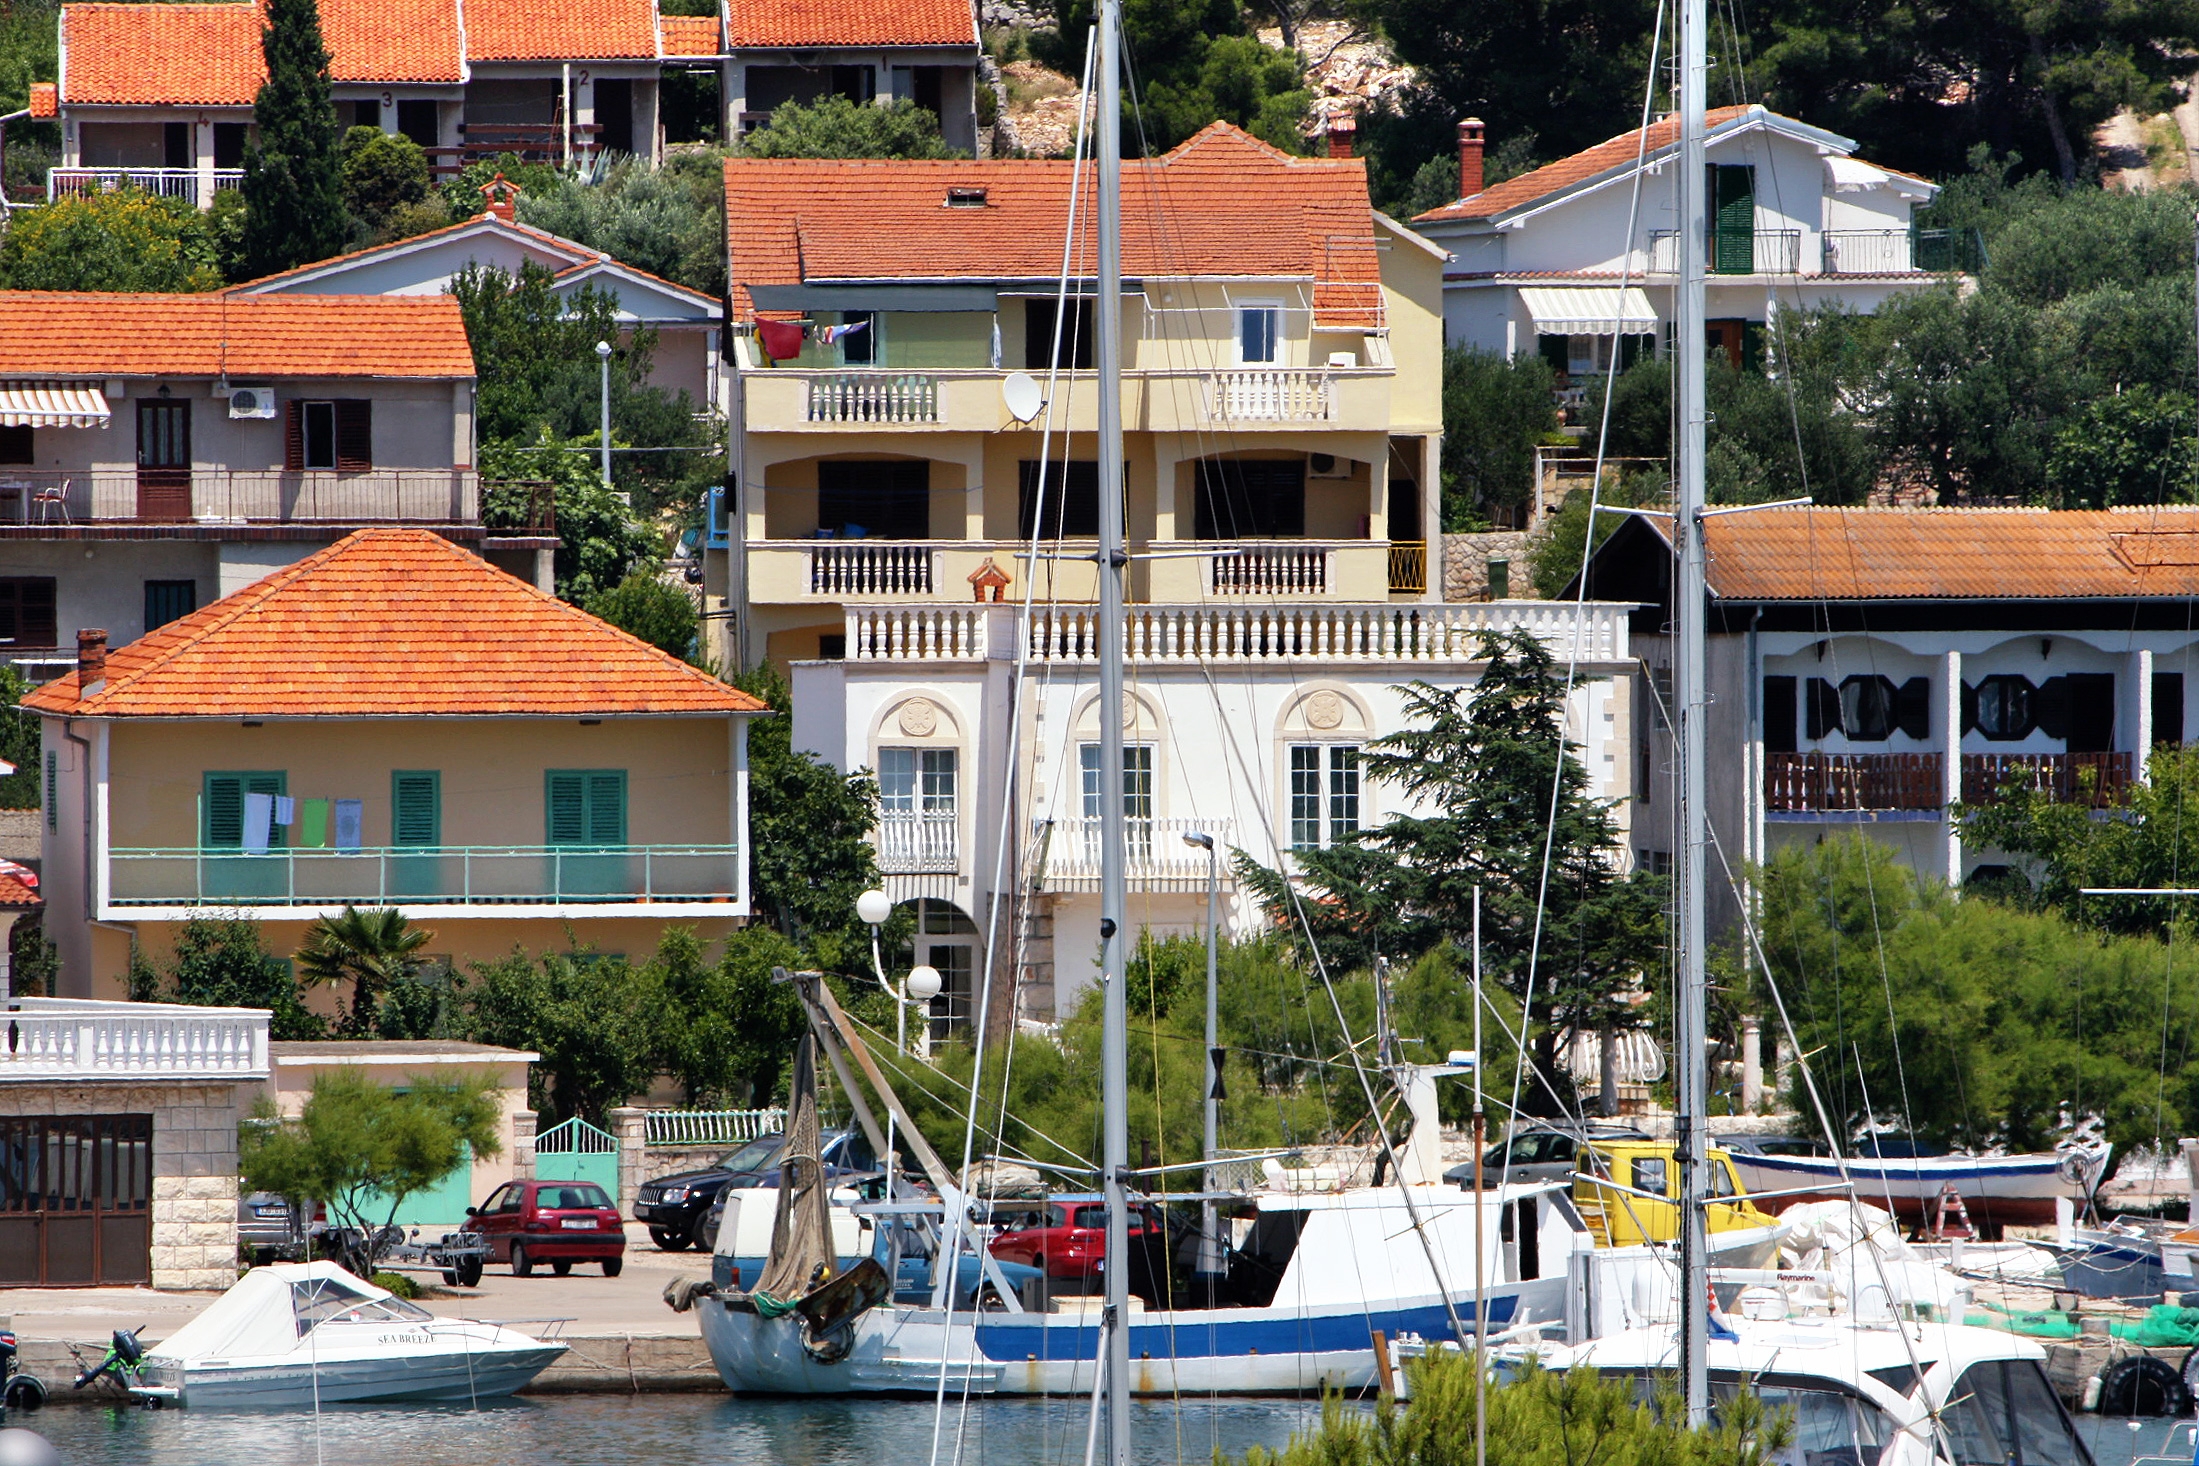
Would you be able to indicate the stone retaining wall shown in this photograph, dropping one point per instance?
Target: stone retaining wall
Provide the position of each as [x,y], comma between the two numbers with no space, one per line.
[1466,560]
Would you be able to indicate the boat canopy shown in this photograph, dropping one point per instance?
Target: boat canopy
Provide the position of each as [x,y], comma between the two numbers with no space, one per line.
[268,1310]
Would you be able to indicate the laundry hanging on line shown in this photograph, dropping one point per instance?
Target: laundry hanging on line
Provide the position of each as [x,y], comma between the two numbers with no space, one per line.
[259,815]
[781,340]
[313,830]
[832,335]
[350,818]
[286,811]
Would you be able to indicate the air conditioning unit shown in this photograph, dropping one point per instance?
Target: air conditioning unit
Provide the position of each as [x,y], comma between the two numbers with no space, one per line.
[1328,465]
[252,402]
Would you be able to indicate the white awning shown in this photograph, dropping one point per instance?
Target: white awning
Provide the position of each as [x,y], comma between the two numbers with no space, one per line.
[1589,310]
[30,405]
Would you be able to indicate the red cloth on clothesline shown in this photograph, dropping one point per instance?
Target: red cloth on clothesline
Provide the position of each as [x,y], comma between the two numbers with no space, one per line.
[781,340]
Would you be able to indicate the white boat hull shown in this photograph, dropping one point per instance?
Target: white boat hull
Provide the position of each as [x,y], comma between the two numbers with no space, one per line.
[442,1369]
[1997,1190]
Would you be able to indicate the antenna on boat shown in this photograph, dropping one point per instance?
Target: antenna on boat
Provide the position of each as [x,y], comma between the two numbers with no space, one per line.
[1114,902]
[1692,1091]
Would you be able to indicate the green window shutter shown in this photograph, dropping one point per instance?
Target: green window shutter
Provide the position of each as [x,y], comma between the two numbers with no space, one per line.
[224,812]
[1733,219]
[607,807]
[53,784]
[269,784]
[416,807]
[565,804]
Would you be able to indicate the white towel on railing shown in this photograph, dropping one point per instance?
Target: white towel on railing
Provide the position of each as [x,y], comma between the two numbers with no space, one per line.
[259,810]
[350,816]
[286,810]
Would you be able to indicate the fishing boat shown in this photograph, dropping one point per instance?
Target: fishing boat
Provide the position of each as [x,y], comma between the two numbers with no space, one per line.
[1996,1191]
[310,1334]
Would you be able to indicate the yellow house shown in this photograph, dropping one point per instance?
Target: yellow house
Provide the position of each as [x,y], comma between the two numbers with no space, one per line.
[389,722]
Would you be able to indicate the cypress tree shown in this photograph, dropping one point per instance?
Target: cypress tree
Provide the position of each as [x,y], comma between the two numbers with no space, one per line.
[293,178]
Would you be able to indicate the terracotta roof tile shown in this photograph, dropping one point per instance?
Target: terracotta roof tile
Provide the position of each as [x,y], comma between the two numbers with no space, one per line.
[689,35]
[51,333]
[209,54]
[1223,203]
[1551,178]
[560,30]
[836,23]
[391,623]
[1985,554]
[18,886]
[45,99]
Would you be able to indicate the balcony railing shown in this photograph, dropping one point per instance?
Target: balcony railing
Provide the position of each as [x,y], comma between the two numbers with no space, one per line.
[72,1038]
[1817,783]
[709,1127]
[1267,394]
[2095,779]
[1763,252]
[916,843]
[240,496]
[885,397]
[1408,567]
[1273,570]
[173,183]
[484,875]
[1157,857]
[870,568]
[1868,252]
[1202,633]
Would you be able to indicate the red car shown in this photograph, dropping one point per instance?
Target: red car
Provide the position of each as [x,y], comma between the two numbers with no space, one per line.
[1068,1241]
[557,1222]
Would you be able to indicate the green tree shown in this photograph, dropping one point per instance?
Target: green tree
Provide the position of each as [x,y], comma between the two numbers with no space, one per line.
[222,962]
[293,188]
[360,1148]
[808,824]
[732,1030]
[1494,413]
[382,172]
[598,1023]
[835,127]
[124,240]
[647,606]
[668,219]
[29,51]
[2131,448]
[372,950]
[19,744]
[1237,80]
[599,541]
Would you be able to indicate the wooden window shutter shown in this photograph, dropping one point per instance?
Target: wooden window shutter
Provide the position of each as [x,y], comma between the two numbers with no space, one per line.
[224,811]
[263,783]
[354,435]
[416,799]
[294,435]
[607,807]
[565,802]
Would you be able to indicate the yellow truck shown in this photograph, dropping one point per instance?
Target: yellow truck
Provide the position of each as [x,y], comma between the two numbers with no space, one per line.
[1618,1218]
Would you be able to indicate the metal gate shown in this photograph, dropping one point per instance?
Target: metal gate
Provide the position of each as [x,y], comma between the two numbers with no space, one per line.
[76,1199]
[577,1151]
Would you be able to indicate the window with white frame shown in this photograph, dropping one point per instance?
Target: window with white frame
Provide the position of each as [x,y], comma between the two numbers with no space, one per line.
[917,829]
[1259,333]
[1324,793]
[1137,792]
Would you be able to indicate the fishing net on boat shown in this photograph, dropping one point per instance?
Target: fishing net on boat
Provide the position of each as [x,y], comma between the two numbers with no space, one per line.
[801,1233]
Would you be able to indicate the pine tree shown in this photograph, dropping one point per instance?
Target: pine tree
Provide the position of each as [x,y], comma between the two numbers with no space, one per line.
[293,179]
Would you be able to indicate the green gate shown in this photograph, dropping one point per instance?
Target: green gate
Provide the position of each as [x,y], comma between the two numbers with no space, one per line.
[577,1151]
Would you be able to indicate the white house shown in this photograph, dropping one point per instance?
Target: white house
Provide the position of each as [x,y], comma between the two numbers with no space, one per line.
[1580,257]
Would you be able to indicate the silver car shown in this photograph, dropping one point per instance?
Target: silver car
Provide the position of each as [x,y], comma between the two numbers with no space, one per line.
[1543,1153]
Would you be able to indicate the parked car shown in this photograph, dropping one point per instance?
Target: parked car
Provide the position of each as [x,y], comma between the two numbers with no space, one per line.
[1773,1145]
[557,1222]
[1539,1153]
[271,1229]
[674,1206]
[1069,1241]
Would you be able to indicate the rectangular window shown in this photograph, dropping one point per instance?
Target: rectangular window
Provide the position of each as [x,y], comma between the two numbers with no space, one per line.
[1137,792]
[1259,328]
[1779,720]
[27,616]
[229,140]
[163,434]
[416,807]
[1072,498]
[1250,498]
[1075,350]
[862,348]
[877,500]
[2168,708]
[169,600]
[15,445]
[337,435]
[320,435]
[585,807]
[221,807]
[916,780]
[1324,793]
[417,120]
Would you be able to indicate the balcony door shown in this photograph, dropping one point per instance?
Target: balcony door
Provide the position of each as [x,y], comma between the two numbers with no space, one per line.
[888,500]
[163,459]
[1251,499]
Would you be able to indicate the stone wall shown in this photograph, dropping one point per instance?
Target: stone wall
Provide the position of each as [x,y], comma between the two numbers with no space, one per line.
[1466,560]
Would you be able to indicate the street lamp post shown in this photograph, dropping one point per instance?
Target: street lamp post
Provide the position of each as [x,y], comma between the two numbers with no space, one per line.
[918,987]
[603,358]
[1210,1265]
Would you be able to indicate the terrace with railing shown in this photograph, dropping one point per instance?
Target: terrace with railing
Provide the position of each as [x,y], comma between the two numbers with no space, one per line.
[77,1039]
[1915,783]
[1157,859]
[38,499]
[968,399]
[173,183]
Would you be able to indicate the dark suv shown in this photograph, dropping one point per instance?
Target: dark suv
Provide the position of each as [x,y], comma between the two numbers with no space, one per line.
[673,1206]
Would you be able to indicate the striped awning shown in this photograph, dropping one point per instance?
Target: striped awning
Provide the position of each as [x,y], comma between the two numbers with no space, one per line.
[48,405]
[1589,310]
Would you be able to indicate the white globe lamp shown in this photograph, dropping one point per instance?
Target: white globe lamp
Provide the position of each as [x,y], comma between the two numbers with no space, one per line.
[873,907]
[924,983]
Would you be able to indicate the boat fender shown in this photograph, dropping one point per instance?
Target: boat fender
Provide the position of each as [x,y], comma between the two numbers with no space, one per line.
[681,1294]
[2143,1385]
[2091,1397]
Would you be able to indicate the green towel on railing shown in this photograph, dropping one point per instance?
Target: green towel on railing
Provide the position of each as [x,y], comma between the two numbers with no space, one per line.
[313,826]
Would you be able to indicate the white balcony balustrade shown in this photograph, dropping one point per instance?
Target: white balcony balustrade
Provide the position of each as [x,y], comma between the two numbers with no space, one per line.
[919,843]
[70,1038]
[874,397]
[1868,252]
[1273,570]
[173,183]
[870,568]
[502,876]
[1266,394]
[239,496]
[1156,857]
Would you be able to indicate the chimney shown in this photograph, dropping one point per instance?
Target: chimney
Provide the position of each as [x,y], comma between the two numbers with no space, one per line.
[1469,157]
[500,196]
[91,661]
[1343,132]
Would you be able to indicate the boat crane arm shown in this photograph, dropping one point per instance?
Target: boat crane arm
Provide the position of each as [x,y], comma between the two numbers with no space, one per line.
[835,1033]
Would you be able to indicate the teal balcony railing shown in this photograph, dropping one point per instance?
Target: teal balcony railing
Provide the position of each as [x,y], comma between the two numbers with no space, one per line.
[473,875]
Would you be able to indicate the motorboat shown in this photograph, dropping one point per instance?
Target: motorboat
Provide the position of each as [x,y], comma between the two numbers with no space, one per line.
[308,1334]
[1995,1191]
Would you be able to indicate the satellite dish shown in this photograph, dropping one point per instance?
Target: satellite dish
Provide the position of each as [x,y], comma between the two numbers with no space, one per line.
[1020,391]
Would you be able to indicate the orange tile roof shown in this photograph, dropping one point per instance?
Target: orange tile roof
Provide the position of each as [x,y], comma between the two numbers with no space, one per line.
[689,35]
[391,623]
[1551,178]
[1223,203]
[394,40]
[1953,554]
[51,333]
[45,99]
[560,30]
[209,54]
[836,23]
[18,885]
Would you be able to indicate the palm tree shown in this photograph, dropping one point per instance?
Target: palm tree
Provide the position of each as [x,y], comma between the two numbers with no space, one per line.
[371,948]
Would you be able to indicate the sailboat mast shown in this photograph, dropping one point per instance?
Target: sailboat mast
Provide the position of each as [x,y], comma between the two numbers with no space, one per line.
[1114,903]
[1690,605]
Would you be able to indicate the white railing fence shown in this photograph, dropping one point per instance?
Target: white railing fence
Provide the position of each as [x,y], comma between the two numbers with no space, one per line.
[1868,252]
[1155,850]
[860,397]
[1363,633]
[916,633]
[174,183]
[1273,570]
[1762,252]
[870,568]
[1270,395]
[437,496]
[709,1127]
[69,1038]
[911,843]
